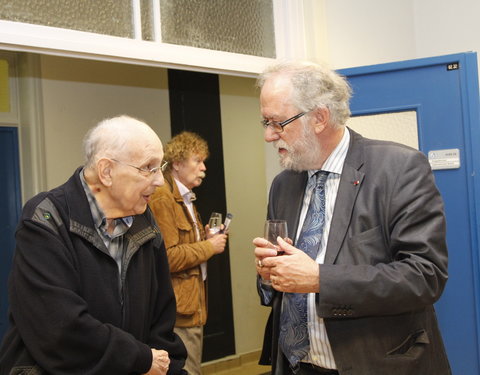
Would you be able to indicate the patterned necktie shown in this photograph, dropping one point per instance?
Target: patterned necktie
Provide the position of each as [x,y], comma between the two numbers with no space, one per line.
[294,340]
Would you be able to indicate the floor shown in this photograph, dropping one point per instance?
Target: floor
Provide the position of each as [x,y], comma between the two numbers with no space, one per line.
[247,369]
[246,364]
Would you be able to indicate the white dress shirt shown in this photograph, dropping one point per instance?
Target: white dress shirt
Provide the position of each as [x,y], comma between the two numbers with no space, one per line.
[320,352]
[186,193]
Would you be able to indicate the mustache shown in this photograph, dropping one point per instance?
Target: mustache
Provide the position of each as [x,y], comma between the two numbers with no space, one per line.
[202,175]
[280,143]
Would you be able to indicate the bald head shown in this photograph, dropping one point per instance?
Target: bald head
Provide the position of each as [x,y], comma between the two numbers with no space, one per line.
[122,165]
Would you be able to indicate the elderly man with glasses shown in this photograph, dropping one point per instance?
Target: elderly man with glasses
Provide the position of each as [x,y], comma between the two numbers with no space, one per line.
[90,290]
[355,294]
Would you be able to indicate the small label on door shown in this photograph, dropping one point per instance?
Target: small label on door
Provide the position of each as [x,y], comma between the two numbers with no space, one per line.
[453,66]
[444,159]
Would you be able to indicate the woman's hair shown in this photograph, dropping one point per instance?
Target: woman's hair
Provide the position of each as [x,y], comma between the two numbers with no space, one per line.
[314,86]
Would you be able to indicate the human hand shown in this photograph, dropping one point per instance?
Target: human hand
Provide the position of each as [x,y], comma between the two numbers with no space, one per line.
[160,362]
[218,241]
[293,272]
[263,249]
[209,233]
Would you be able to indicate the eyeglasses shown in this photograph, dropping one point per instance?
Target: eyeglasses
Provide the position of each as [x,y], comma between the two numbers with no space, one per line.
[276,126]
[144,170]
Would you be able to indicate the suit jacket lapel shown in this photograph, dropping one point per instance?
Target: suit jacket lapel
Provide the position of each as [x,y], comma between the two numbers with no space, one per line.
[350,183]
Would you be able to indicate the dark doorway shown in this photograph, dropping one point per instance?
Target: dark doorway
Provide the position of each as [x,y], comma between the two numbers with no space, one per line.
[195,106]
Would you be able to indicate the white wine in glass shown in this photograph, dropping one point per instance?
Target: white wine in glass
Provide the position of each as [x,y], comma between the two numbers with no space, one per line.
[215,222]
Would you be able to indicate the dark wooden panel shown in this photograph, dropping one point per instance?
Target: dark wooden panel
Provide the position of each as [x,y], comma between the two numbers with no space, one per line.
[195,106]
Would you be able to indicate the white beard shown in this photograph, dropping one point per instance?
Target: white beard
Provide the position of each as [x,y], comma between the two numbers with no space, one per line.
[303,154]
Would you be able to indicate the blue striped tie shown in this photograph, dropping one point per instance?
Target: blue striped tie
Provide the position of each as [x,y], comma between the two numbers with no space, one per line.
[293,339]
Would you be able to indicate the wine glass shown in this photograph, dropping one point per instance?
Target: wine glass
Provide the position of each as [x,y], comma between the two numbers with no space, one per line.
[273,229]
[215,222]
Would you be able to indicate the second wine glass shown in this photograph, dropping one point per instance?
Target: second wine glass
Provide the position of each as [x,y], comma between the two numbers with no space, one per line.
[215,222]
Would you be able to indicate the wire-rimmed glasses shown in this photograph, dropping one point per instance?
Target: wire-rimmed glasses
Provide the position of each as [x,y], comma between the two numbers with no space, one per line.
[144,170]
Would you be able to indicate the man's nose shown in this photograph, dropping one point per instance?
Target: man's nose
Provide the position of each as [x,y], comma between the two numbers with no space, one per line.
[158,179]
[270,135]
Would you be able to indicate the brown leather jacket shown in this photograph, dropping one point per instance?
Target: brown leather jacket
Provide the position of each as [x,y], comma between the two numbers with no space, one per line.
[185,254]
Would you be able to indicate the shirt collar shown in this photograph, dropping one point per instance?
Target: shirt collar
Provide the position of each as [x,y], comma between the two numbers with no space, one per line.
[185,192]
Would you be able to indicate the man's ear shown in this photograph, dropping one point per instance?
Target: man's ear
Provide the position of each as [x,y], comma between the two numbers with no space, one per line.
[176,165]
[322,119]
[104,170]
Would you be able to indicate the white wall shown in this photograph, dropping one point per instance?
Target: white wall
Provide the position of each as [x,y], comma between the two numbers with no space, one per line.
[377,31]
[369,31]
[444,27]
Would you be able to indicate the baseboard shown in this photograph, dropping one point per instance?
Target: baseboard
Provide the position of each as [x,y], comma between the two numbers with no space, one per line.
[230,362]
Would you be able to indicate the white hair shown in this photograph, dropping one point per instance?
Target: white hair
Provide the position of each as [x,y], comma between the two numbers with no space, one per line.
[314,86]
[111,137]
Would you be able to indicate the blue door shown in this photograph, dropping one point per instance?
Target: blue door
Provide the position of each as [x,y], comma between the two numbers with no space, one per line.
[443,91]
[10,205]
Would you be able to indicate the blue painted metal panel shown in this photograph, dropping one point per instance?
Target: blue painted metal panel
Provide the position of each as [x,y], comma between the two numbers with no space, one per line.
[447,106]
[10,206]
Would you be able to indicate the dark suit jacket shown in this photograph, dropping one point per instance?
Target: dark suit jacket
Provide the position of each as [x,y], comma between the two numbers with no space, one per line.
[385,263]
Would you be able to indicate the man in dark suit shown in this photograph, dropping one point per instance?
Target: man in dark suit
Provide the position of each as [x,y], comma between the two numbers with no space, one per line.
[377,230]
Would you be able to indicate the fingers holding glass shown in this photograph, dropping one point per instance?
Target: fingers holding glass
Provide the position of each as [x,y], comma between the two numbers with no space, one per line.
[272,230]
